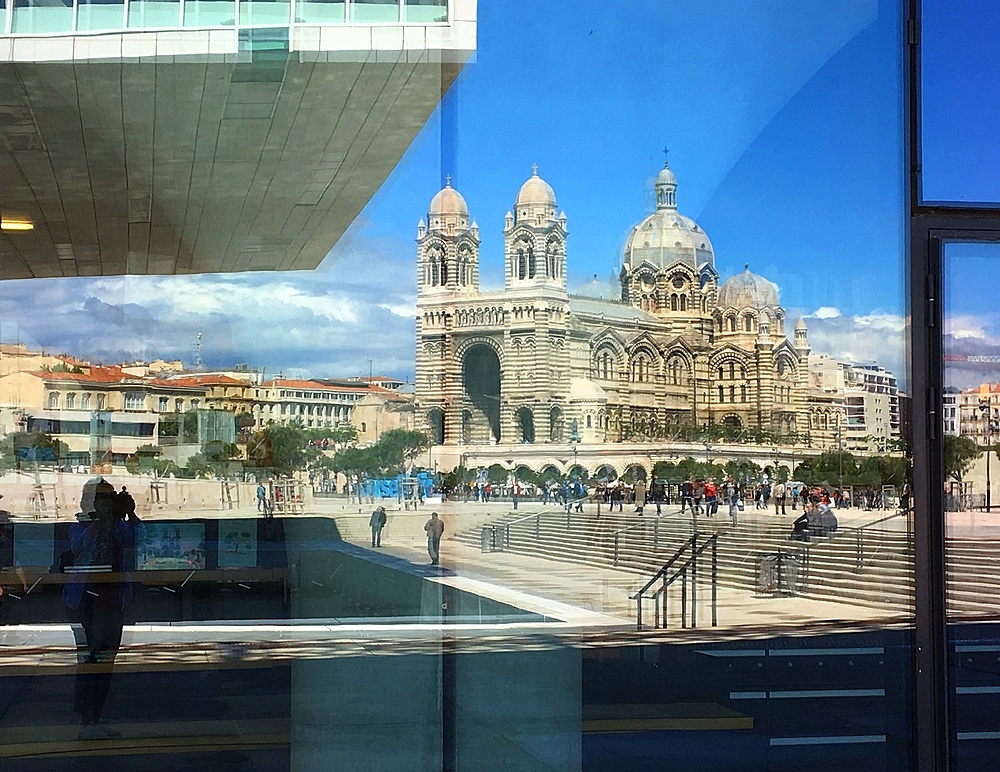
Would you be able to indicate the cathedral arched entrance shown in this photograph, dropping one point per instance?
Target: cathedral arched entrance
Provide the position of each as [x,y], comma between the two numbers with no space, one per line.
[481,380]
[525,424]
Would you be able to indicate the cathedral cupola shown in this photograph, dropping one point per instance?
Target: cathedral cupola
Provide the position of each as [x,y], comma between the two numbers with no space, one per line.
[536,201]
[447,245]
[666,187]
[535,236]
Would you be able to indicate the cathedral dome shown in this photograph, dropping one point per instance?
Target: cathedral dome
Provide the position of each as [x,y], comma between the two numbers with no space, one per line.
[666,236]
[535,192]
[747,290]
[448,201]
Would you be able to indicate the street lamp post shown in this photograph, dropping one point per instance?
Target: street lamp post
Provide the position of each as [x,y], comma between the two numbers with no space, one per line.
[984,408]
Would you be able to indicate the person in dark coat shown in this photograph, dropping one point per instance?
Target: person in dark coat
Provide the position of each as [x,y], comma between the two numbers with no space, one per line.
[97,591]
[434,528]
[377,522]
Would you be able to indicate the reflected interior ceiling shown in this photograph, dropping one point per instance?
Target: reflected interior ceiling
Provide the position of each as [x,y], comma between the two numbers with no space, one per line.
[174,167]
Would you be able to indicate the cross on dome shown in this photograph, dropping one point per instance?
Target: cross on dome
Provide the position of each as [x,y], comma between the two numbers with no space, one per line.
[447,181]
[666,160]
[534,170]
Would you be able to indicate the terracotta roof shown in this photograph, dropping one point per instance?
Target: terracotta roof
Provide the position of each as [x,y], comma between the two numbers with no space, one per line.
[200,380]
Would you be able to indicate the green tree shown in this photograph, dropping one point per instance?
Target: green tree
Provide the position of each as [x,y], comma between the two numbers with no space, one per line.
[25,450]
[281,449]
[959,453]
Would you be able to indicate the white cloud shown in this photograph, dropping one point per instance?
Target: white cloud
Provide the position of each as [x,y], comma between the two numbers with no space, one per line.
[874,337]
[328,322]
[825,312]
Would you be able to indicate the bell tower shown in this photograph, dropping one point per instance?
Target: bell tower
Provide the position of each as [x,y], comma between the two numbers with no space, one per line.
[535,238]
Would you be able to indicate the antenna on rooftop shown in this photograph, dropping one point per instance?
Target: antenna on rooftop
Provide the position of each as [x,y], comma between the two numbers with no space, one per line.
[197,351]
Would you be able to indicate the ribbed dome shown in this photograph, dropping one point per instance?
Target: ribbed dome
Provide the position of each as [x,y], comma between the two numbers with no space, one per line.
[536,192]
[448,201]
[801,324]
[666,237]
[666,177]
[747,290]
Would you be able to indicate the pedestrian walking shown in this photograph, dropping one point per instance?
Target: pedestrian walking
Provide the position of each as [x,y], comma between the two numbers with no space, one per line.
[261,498]
[434,528]
[640,495]
[732,498]
[687,496]
[377,522]
[779,498]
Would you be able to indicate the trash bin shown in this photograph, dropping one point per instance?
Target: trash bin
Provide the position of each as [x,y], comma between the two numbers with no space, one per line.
[492,538]
[790,574]
[768,571]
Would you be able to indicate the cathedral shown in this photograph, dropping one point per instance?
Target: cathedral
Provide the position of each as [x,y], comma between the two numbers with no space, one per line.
[536,363]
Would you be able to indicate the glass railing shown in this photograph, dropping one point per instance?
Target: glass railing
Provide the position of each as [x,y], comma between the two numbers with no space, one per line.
[44,17]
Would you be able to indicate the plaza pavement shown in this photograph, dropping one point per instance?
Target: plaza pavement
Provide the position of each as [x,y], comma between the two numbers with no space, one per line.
[582,596]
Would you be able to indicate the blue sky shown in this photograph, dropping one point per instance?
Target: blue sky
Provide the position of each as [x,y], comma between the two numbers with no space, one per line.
[785,134]
[961,101]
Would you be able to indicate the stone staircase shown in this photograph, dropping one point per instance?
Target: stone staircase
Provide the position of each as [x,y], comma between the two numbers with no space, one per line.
[828,565]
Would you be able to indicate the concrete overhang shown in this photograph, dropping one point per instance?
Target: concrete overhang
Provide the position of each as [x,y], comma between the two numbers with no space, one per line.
[208,150]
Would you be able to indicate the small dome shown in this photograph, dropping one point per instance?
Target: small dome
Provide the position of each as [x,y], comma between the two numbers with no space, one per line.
[666,177]
[801,324]
[586,390]
[747,290]
[448,201]
[598,290]
[536,192]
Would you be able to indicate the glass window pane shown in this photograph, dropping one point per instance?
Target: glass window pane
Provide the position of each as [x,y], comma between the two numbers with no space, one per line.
[960,104]
[655,400]
[264,12]
[426,10]
[209,13]
[375,10]
[154,13]
[100,14]
[321,11]
[970,415]
[42,16]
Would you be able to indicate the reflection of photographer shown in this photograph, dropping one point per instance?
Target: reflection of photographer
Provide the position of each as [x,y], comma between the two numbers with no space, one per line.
[97,591]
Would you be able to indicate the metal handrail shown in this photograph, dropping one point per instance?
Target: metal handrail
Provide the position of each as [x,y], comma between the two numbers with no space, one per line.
[682,573]
[655,519]
[859,536]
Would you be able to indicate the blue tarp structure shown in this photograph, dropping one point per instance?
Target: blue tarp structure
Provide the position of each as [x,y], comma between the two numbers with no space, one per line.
[389,488]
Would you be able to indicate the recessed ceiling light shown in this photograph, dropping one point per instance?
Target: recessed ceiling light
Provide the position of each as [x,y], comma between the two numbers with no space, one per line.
[16,224]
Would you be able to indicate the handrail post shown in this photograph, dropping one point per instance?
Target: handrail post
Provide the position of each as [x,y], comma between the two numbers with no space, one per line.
[638,612]
[859,560]
[568,515]
[656,533]
[684,598]
[694,585]
[656,610]
[616,550]
[715,581]
[538,519]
